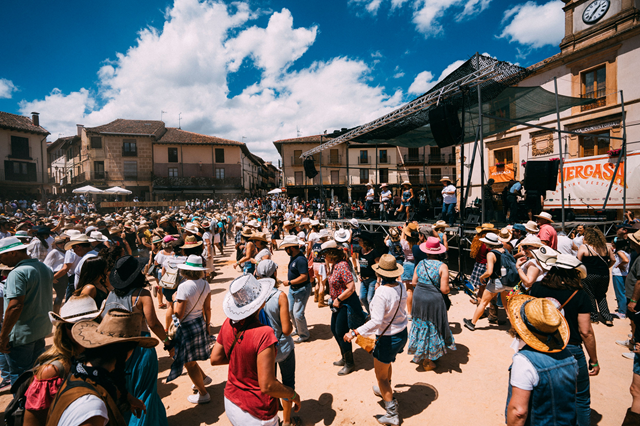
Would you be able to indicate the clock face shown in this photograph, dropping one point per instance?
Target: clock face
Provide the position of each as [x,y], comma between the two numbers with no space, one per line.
[595,11]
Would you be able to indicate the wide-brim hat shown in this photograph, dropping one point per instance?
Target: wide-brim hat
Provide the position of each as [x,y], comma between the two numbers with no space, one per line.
[568,261]
[635,237]
[539,323]
[342,235]
[245,296]
[545,216]
[191,242]
[432,246]
[406,182]
[258,236]
[491,239]
[246,232]
[485,227]
[388,267]
[328,245]
[11,244]
[117,326]
[77,308]
[440,224]
[505,235]
[411,227]
[126,270]
[193,263]
[98,236]
[546,256]
[78,239]
[531,240]
[531,226]
[446,179]
[290,241]
[370,184]
[22,234]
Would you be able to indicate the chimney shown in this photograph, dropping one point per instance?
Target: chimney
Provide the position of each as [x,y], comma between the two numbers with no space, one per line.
[80,127]
[35,117]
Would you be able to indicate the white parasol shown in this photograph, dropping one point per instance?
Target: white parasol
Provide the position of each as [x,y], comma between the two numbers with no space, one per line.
[117,190]
[275,191]
[88,190]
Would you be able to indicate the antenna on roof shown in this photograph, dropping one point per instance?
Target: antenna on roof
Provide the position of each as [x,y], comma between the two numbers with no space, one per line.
[298,131]
[162,112]
[179,119]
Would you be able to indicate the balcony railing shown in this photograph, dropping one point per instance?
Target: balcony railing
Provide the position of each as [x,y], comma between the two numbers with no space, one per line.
[129,153]
[78,178]
[414,159]
[383,160]
[98,175]
[197,182]
[441,159]
[598,95]
[333,159]
[326,181]
[363,160]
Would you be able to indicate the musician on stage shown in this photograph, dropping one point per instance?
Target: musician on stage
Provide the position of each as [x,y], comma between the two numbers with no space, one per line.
[449,200]
[385,202]
[368,200]
[489,204]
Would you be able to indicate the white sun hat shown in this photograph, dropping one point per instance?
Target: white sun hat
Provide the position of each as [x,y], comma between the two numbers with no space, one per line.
[77,308]
[98,236]
[342,235]
[245,296]
[193,263]
[11,244]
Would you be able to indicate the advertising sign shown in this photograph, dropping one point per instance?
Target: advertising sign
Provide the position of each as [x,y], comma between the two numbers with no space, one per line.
[501,173]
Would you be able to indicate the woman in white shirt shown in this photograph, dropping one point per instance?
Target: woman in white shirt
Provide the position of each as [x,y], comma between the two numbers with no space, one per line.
[209,251]
[389,324]
[530,270]
[41,244]
[55,261]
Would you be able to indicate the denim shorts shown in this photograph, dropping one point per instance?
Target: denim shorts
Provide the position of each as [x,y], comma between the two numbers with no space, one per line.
[408,267]
[636,364]
[288,370]
[388,347]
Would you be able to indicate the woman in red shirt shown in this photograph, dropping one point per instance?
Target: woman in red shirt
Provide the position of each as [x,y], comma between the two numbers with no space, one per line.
[249,347]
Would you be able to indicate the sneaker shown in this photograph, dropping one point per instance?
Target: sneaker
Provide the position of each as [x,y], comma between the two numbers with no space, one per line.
[207,381]
[625,343]
[469,324]
[300,340]
[620,315]
[6,383]
[294,333]
[376,391]
[199,399]
[497,321]
[629,355]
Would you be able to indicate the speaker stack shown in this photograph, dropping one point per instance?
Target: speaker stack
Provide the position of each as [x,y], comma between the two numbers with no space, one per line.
[445,125]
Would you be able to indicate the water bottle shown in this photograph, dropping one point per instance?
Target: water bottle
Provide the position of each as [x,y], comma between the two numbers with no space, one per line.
[503,272]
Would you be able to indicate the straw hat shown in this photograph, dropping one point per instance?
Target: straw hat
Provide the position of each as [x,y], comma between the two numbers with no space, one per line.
[193,263]
[505,235]
[532,227]
[394,234]
[287,223]
[245,296]
[191,242]
[156,240]
[115,230]
[11,244]
[342,235]
[387,267]
[246,232]
[77,308]
[491,239]
[290,241]
[440,224]
[75,239]
[238,225]
[539,323]
[635,237]
[545,216]
[432,246]
[446,179]
[116,327]
[192,228]
[568,261]
[258,236]
[370,185]
[485,227]
[410,228]
[406,182]
[531,240]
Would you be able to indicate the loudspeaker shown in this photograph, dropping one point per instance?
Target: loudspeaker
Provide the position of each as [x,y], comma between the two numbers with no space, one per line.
[310,168]
[472,219]
[445,125]
[541,175]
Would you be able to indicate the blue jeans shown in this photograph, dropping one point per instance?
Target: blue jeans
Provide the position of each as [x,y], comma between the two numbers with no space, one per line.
[288,370]
[4,368]
[367,289]
[298,299]
[22,358]
[621,298]
[583,396]
[367,206]
[449,212]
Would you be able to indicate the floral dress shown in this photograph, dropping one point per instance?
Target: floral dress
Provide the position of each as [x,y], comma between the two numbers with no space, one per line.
[430,334]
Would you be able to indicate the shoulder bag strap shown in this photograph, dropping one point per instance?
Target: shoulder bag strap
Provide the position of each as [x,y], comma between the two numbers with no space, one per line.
[396,313]
[568,300]
[198,301]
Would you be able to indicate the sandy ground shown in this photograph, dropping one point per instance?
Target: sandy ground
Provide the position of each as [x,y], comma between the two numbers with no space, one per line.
[468,387]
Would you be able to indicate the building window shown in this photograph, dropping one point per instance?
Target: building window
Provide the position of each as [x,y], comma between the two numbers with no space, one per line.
[296,160]
[414,154]
[130,170]
[298,177]
[96,142]
[20,171]
[219,155]
[591,145]
[219,172]
[503,156]
[98,169]
[364,157]
[69,153]
[384,159]
[414,176]
[594,86]
[129,148]
[173,172]
[20,147]
[436,174]
[334,156]
[173,155]
[364,176]
[335,177]
[384,175]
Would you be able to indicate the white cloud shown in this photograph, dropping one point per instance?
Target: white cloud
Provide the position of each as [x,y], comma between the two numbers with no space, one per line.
[427,14]
[6,88]
[425,80]
[534,25]
[398,75]
[186,67]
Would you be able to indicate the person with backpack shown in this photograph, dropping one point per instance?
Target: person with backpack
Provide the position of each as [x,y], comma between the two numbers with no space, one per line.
[395,247]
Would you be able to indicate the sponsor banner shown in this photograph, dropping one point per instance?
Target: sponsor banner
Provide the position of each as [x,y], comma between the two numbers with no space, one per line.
[141,204]
[586,181]
[502,173]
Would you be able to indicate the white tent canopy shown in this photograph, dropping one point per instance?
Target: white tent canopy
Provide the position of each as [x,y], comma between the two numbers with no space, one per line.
[275,191]
[117,190]
[88,190]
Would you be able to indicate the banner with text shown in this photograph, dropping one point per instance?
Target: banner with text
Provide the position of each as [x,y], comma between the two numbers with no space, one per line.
[141,204]
[586,181]
[501,173]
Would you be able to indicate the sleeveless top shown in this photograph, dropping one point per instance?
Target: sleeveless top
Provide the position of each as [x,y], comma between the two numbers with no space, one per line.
[497,266]
[317,257]
[596,264]
[406,195]
[116,302]
[272,310]
[101,296]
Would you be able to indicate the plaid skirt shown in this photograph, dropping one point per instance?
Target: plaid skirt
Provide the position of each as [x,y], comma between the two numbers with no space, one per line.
[193,343]
[478,270]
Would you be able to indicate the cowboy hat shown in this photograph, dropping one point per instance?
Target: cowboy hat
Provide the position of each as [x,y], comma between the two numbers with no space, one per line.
[328,245]
[394,234]
[253,223]
[387,267]
[568,261]
[546,256]
[342,235]
[635,237]
[191,242]
[544,215]
[324,233]
[531,241]
[115,230]
[485,227]
[126,270]
[491,239]
[532,227]
[77,308]
[193,263]
[22,234]
[519,227]
[406,182]
[432,246]
[440,224]
[192,228]
[258,236]
[246,232]
[505,235]
[117,326]
[539,323]
[410,228]
[370,184]
[9,244]
[78,239]
[290,241]
[98,236]
[382,185]
[354,222]
[446,179]
[246,295]
[315,222]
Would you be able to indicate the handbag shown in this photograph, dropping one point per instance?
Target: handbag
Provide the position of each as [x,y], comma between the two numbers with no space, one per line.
[175,324]
[369,343]
[171,278]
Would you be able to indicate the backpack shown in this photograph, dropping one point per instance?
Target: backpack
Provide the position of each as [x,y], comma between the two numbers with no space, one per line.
[509,263]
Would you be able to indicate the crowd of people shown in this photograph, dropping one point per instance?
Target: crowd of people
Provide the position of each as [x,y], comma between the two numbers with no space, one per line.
[97,283]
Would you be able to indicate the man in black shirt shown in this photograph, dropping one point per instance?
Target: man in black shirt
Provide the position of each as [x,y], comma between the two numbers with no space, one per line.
[368,257]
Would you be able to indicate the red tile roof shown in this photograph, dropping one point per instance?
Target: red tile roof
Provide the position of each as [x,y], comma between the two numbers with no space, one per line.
[131,127]
[304,139]
[19,122]
[178,136]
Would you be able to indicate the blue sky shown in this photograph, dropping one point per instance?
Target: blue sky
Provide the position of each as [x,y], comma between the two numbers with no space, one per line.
[262,70]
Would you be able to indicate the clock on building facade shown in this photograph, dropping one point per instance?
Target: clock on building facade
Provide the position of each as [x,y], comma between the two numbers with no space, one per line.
[594,11]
